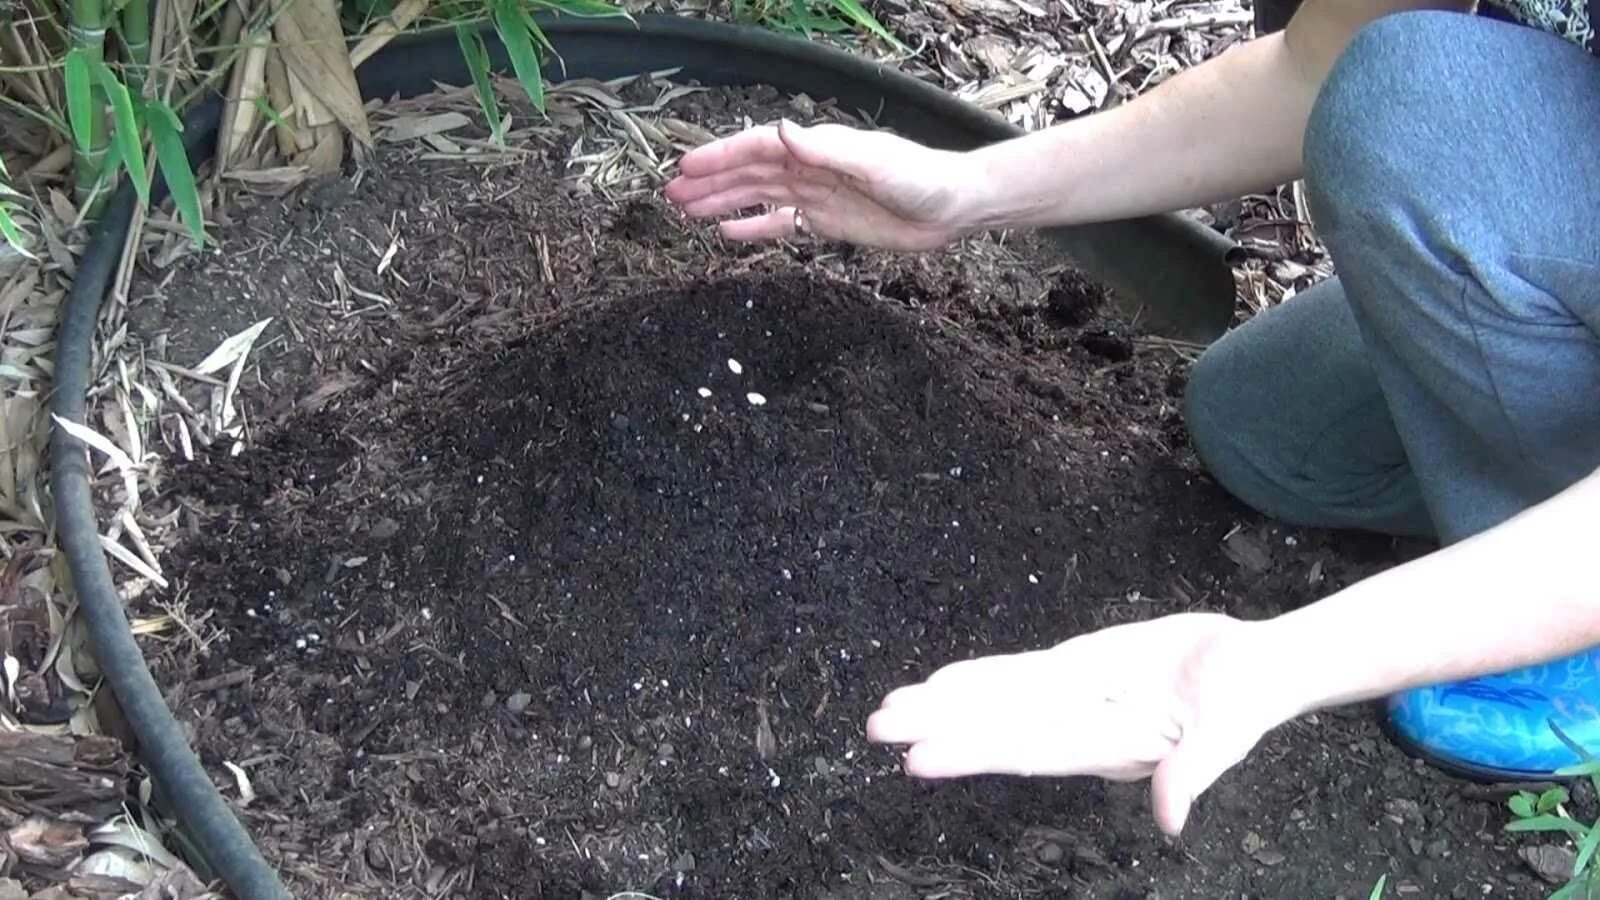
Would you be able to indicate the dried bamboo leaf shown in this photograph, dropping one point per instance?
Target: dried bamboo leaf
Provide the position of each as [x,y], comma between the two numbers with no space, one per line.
[93,439]
[231,349]
[121,832]
[406,128]
[131,560]
[311,41]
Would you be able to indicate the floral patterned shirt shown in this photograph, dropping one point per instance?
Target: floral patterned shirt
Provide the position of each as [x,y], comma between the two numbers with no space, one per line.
[1573,20]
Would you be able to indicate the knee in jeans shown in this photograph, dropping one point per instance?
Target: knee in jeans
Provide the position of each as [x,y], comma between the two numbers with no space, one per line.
[1357,152]
[1206,412]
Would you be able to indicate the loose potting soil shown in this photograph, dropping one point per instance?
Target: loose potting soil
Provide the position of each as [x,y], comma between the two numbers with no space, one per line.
[578,567]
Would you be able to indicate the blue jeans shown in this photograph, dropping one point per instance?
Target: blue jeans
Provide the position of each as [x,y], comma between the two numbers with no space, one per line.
[1449,377]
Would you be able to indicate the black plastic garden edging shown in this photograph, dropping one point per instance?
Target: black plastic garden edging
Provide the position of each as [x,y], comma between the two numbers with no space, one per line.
[1170,272]
[1174,270]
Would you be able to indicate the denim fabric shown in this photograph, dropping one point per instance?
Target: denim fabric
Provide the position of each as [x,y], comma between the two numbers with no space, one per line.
[1449,377]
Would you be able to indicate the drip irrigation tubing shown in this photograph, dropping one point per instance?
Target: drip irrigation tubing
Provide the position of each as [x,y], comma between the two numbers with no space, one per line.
[1171,262]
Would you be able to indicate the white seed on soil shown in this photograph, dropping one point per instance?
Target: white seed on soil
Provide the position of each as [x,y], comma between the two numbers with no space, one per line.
[788,575]
[427,614]
[704,392]
[775,779]
[480,479]
[1290,541]
[686,417]
[1033,579]
[512,558]
[697,428]
[734,367]
[300,644]
[756,399]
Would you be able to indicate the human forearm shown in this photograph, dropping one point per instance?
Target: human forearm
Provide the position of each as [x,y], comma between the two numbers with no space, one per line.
[1525,592]
[1230,126]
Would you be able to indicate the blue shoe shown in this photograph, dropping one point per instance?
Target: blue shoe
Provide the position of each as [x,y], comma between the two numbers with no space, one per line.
[1522,725]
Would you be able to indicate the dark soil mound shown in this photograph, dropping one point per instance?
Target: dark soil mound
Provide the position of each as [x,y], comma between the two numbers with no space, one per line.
[582,605]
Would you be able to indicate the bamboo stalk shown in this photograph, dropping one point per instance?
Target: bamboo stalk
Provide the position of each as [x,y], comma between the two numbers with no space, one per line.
[26,81]
[88,32]
[383,32]
[239,113]
[282,101]
[136,37]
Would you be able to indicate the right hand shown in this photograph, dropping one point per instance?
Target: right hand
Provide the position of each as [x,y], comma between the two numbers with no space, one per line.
[862,187]
[1178,700]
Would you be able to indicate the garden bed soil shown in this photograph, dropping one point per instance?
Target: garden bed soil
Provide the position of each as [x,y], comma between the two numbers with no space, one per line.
[519,591]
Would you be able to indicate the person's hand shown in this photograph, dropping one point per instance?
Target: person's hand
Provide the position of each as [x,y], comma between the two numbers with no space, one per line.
[867,188]
[1180,700]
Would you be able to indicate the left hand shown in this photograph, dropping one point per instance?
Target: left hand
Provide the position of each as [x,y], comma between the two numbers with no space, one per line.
[868,188]
[1179,700]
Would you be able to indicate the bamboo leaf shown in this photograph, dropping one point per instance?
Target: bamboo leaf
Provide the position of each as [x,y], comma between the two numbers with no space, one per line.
[270,112]
[855,12]
[129,147]
[512,24]
[1549,823]
[166,133]
[1591,842]
[11,233]
[477,57]
[80,103]
[8,226]
[1567,891]
[587,8]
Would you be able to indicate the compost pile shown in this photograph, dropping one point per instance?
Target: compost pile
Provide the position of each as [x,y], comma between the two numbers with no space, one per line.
[569,586]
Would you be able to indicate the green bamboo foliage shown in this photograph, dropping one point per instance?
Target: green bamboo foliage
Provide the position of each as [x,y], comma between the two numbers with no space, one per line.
[98,94]
[117,123]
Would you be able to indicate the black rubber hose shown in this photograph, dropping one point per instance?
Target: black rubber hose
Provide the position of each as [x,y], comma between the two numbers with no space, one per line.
[1163,256]
[224,845]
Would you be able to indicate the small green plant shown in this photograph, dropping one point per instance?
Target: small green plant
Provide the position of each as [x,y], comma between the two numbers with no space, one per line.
[810,17]
[524,40]
[1547,812]
[1377,889]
